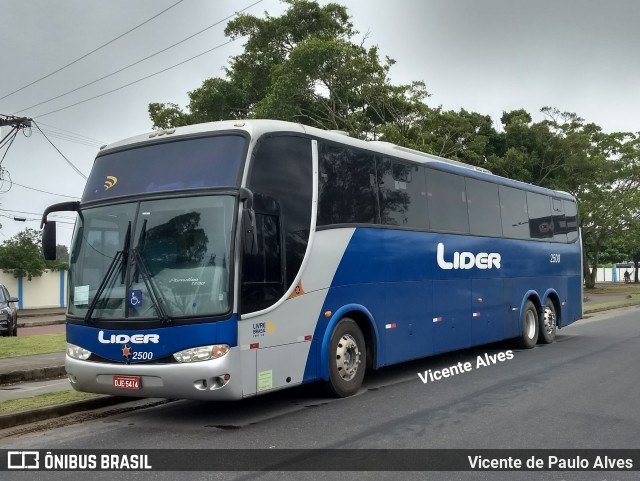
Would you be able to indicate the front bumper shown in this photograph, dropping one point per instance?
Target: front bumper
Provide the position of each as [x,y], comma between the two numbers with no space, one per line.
[195,380]
[5,326]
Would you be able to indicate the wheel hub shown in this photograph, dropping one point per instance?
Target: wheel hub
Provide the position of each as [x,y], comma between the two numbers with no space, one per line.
[347,357]
[549,318]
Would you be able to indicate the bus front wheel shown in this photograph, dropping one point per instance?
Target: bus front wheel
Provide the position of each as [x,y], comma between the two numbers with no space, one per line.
[548,323]
[530,327]
[347,358]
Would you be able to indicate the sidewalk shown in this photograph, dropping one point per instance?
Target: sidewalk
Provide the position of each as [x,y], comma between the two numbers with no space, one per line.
[41,317]
[31,368]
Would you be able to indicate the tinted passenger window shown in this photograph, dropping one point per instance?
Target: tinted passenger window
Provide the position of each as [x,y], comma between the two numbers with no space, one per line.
[513,207]
[280,177]
[484,208]
[571,215]
[559,221]
[403,196]
[347,186]
[540,224]
[446,199]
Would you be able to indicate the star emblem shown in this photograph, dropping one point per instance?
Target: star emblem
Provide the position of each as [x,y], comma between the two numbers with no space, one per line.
[126,351]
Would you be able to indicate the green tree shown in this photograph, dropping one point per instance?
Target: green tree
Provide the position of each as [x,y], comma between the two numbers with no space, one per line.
[62,253]
[21,255]
[303,66]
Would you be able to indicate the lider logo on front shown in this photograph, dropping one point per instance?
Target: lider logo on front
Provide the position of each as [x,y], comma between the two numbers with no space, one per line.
[126,338]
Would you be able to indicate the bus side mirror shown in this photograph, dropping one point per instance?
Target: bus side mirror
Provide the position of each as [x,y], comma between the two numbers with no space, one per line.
[49,241]
[49,227]
[248,223]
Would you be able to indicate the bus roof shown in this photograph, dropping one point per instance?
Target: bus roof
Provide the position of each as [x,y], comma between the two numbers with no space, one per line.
[257,127]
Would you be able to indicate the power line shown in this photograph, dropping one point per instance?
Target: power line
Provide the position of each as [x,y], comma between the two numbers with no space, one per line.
[69,138]
[36,220]
[4,172]
[92,51]
[44,191]
[32,213]
[101,142]
[10,142]
[136,81]
[78,171]
[138,61]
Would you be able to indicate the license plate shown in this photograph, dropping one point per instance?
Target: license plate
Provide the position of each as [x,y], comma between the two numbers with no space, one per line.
[126,382]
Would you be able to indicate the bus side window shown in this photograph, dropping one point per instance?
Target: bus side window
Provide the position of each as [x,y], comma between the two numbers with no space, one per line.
[402,191]
[559,221]
[262,272]
[281,178]
[513,207]
[540,223]
[484,208]
[347,186]
[447,202]
[571,216]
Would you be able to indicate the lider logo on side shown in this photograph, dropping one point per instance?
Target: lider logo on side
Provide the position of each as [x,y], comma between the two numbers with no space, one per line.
[468,260]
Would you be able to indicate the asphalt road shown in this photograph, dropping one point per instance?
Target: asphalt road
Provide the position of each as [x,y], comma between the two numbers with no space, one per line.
[581,392]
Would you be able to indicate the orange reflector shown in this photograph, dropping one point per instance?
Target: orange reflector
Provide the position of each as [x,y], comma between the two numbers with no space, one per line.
[328,314]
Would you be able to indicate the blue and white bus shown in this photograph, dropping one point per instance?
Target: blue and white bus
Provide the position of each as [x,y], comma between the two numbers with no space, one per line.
[224,260]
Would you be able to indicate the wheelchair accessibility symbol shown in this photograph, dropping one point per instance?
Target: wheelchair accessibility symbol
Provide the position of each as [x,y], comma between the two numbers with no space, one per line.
[135,298]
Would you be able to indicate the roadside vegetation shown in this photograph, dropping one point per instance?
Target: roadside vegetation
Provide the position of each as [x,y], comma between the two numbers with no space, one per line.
[29,345]
[42,400]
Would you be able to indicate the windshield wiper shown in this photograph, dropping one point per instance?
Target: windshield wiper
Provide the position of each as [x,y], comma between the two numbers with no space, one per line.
[139,248]
[116,262]
[156,298]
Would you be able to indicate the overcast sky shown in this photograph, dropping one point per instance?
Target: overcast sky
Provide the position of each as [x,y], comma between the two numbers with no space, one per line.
[487,56]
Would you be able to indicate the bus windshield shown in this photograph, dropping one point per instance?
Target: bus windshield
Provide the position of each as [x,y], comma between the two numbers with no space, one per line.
[153,259]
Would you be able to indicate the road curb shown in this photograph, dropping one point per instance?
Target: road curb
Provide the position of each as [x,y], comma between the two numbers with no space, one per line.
[34,323]
[49,412]
[38,374]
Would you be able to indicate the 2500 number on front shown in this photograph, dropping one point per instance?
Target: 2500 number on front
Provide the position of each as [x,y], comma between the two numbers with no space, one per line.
[141,356]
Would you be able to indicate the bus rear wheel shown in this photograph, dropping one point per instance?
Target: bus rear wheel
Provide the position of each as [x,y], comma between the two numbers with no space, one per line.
[530,327]
[347,358]
[548,323]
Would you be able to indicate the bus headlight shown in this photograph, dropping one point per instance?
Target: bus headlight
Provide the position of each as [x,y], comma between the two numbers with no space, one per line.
[77,352]
[202,353]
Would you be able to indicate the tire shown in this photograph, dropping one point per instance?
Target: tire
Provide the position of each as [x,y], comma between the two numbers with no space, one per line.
[530,327]
[347,359]
[548,323]
[12,330]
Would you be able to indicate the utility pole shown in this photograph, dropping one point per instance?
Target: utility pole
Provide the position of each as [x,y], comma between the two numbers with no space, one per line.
[16,123]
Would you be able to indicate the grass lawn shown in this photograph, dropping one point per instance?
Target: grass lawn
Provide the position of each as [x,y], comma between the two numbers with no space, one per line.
[42,400]
[617,288]
[630,301]
[28,345]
